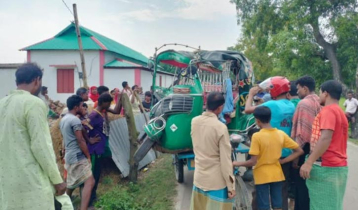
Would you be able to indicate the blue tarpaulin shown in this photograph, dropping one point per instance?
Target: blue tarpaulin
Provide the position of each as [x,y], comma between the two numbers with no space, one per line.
[229,101]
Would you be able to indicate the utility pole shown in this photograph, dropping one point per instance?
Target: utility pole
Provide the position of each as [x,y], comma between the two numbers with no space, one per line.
[78,32]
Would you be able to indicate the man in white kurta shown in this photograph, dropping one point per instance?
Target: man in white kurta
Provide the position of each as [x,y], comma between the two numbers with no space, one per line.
[29,175]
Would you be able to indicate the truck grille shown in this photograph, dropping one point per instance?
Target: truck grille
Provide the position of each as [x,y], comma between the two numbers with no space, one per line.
[173,104]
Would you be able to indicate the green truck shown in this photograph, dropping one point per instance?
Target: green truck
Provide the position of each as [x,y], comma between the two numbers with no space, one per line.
[196,74]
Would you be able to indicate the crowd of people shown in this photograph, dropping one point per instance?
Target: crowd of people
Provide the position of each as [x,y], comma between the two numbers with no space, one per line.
[298,150]
[85,142]
[86,135]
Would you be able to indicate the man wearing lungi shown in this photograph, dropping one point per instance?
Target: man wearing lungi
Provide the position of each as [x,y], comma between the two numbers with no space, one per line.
[214,183]
[306,111]
[326,167]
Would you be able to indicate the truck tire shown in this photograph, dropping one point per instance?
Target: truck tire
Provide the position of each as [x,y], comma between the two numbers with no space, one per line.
[179,169]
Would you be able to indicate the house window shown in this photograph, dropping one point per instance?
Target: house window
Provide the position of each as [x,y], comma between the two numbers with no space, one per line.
[65,81]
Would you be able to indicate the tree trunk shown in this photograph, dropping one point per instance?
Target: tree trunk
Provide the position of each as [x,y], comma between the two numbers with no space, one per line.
[354,126]
[133,135]
[331,53]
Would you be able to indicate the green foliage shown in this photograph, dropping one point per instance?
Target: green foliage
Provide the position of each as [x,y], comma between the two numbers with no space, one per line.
[118,199]
[107,181]
[155,191]
[347,30]
[279,37]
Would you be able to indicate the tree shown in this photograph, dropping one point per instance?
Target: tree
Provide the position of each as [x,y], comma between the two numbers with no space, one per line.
[299,37]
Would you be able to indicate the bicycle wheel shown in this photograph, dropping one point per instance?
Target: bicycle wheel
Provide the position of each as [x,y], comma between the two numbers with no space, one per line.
[242,201]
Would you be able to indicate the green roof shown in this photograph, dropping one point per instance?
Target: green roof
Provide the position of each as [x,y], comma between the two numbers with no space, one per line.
[67,40]
[117,63]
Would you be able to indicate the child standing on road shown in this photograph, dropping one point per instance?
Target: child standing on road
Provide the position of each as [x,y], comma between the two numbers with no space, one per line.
[265,151]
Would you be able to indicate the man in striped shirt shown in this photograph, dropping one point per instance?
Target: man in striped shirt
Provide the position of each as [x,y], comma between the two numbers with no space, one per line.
[306,111]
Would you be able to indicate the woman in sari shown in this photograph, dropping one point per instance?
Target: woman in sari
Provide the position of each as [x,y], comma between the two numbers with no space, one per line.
[93,94]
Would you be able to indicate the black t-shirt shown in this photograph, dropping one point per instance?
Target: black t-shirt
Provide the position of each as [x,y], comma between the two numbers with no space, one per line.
[146,105]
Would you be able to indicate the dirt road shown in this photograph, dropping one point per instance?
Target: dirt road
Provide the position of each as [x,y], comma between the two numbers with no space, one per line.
[350,198]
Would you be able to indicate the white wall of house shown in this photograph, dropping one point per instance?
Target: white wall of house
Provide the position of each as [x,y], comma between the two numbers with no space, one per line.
[166,80]
[113,78]
[46,58]
[7,81]
[146,80]
[109,56]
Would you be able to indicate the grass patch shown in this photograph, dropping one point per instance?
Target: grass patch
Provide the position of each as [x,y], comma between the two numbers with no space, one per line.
[354,141]
[107,181]
[155,189]
[341,102]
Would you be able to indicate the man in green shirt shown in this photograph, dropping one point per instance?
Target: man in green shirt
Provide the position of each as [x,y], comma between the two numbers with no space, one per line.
[292,95]
[29,177]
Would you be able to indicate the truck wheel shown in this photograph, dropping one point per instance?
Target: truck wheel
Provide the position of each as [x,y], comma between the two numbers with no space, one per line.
[242,201]
[179,169]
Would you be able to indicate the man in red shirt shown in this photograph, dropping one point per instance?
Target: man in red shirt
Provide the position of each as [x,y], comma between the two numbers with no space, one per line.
[326,167]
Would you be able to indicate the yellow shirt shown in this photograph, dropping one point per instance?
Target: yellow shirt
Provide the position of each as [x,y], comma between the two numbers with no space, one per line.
[267,145]
[212,148]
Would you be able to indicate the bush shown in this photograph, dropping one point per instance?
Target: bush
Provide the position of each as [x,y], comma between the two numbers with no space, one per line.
[155,191]
[118,199]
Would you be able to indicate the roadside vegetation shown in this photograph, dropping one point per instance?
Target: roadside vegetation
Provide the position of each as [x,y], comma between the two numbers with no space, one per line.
[155,189]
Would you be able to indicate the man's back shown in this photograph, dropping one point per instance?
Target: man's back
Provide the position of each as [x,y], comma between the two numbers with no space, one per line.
[332,118]
[69,125]
[27,160]
[267,145]
[208,135]
[282,114]
[15,124]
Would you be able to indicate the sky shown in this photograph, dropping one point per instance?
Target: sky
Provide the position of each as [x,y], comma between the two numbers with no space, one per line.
[139,24]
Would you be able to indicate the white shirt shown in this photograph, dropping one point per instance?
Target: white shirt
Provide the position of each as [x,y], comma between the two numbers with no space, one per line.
[135,105]
[351,105]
